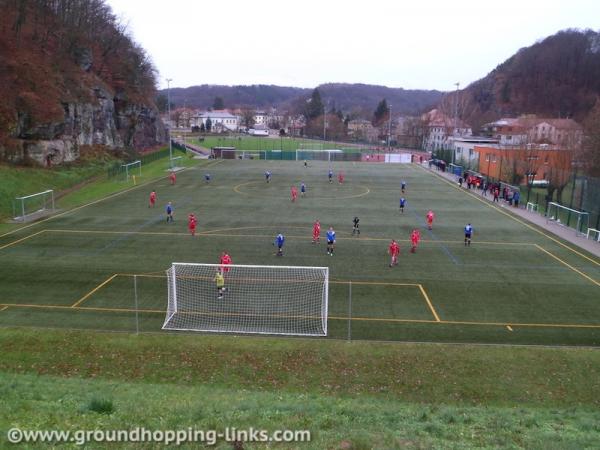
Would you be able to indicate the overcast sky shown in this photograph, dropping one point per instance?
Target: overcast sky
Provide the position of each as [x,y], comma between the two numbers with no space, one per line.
[427,44]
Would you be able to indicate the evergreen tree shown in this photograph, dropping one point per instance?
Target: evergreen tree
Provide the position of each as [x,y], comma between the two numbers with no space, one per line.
[314,107]
[208,125]
[381,114]
[218,103]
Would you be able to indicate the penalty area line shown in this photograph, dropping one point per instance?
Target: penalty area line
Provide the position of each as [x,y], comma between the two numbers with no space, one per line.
[97,288]
[431,308]
[10,244]
[568,265]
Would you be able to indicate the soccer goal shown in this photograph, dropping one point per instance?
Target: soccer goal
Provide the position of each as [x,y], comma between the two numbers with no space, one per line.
[34,205]
[132,168]
[283,300]
[569,217]
[532,207]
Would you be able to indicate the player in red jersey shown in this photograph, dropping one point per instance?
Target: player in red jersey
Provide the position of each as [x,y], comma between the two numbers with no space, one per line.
[341,177]
[394,251]
[430,216]
[173,177]
[294,192]
[225,260]
[192,221]
[152,199]
[316,231]
[415,237]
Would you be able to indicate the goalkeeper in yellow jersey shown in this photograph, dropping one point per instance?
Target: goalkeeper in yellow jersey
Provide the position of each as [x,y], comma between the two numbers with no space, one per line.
[220,283]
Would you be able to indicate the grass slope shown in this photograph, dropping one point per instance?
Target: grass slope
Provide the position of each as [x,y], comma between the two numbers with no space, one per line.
[359,395]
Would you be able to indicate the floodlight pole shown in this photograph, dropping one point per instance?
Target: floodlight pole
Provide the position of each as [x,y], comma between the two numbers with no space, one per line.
[455,116]
[390,129]
[169,122]
[324,123]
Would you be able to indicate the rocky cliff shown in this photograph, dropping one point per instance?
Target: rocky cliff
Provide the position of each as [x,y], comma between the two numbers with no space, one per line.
[71,81]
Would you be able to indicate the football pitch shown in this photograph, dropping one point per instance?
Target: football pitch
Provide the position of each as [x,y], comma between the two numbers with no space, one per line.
[516,284]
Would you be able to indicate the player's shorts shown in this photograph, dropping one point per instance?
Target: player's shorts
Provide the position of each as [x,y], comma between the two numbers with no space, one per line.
[468,235]
[330,242]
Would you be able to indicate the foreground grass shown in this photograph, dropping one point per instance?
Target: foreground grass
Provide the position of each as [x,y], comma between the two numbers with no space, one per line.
[502,376]
[46,402]
[358,395]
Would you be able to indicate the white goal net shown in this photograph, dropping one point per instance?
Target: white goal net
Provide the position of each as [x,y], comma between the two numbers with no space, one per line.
[561,215]
[250,299]
[30,207]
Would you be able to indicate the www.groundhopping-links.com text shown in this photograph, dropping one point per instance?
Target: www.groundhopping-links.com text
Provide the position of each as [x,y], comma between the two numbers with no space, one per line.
[167,437]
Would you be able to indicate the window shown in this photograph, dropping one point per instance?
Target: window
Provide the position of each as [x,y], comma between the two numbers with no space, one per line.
[494,158]
[487,157]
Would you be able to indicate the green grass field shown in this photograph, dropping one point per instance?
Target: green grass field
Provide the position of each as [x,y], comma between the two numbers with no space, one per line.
[514,285]
[256,143]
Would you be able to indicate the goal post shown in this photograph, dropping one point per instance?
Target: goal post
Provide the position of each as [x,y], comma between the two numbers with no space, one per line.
[33,205]
[569,217]
[132,168]
[278,300]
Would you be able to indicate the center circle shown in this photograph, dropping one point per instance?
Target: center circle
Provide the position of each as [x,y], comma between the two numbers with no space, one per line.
[249,189]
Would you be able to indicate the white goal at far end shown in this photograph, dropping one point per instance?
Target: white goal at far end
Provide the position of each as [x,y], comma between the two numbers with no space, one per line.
[279,300]
[562,215]
[33,205]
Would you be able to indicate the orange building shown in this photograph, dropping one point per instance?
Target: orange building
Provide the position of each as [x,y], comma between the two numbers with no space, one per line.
[515,164]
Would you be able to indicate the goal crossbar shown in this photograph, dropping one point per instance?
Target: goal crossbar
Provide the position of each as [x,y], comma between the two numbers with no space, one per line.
[33,205]
[556,213]
[278,300]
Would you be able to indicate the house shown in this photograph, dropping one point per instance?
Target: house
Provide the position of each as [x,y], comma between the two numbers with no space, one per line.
[463,148]
[530,129]
[526,163]
[295,125]
[361,129]
[261,118]
[221,121]
[439,127]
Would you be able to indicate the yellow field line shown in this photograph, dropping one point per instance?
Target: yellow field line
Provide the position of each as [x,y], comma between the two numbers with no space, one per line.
[569,266]
[81,308]
[319,197]
[21,240]
[531,227]
[437,318]
[372,319]
[82,299]
[307,236]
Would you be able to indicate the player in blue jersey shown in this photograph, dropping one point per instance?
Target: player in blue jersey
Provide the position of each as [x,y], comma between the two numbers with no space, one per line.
[279,241]
[403,186]
[402,204]
[268,176]
[330,175]
[468,234]
[330,241]
[207,178]
[302,189]
[169,210]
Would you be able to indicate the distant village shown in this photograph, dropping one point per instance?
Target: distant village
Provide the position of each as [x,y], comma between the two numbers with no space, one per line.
[520,150]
